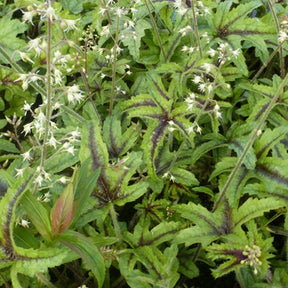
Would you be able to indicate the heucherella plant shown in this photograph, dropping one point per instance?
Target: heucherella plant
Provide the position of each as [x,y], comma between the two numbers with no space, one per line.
[143,143]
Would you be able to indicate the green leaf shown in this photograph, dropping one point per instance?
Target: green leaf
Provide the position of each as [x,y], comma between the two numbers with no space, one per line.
[75,6]
[226,165]
[86,182]
[92,146]
[25,3]
[85,248]
[7,146]
[253,208]
[153,139]
[133,41]
[196,234]
[131,193]
[268,139]
[38,215]
[9,29]
[162,268]
[53,257]
[238,145]
[184,176]
[7,207]
[207,228]
[205,147]
[61,212]
[163,232]
[118,143]
[60,161]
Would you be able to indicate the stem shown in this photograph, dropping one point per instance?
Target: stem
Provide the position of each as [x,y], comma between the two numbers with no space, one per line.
[84,77]
[239,278]
[115,224]
[16,138]
[282,64]
[249,144]
[114,62]
[198,249]
[266,63]
[156,31]
[107,12]
[44,280]
[196,28]
[48,86]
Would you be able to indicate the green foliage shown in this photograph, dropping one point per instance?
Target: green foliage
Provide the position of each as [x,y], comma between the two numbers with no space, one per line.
[143,143]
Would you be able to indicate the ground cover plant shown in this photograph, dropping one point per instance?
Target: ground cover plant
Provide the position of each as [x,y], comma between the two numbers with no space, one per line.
[143,143]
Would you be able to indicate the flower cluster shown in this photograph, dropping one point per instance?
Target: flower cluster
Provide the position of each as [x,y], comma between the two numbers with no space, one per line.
[252,257]
[44,134]
[283,33]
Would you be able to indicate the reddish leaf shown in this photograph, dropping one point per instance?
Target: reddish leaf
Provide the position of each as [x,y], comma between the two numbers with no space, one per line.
[61,213]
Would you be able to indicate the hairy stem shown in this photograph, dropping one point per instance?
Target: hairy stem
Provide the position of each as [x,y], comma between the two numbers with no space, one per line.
[196,28]
[114,62]
[43,279]
[156,30]
[116,224]
[240,279]
[84,77]
[107,12]
[249,144]
[48,86]
[266,63]
[282,64]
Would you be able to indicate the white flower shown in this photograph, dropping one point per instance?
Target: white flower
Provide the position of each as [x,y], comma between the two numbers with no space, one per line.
[27,128]
[184,48]
[236,52]
[76,134]
[70,24]
[209,88]
[207,67]
[68,148]
[25,57]
[41,117]
[63,180]
[50,13]
[26,156]
[56,105]
[35,45]
[184,30]
[198,129]
[74,94]
[25,81]
[24,223]
[53,142]
[282,36]
[26,107]
[166,174]
[172,178]
[28,16]
[57,54]
[19,172]
[190,129]
[44,198]
[211,52]
[202,87]
[57,76]
[119,12]
[197,79]
[102,11]
[39,179]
